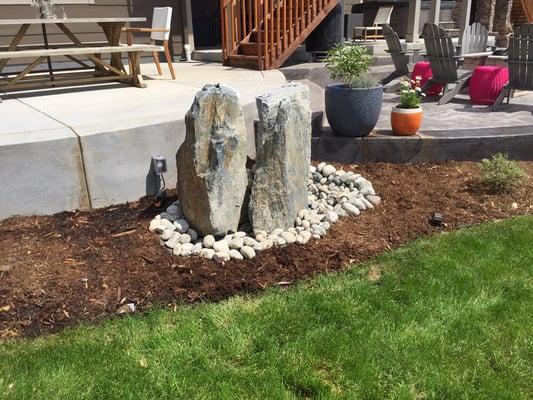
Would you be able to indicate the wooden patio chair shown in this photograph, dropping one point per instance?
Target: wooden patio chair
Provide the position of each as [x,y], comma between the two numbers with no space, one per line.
[382,17]
[401,58]
[159,32]
[520,63]
[444,62]
[475,39]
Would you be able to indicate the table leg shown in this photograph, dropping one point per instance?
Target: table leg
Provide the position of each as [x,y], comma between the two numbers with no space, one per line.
[14,43]
[112,31]
[48,59]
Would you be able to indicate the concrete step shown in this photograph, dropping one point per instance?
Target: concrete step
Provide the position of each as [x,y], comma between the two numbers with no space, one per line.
[208,55]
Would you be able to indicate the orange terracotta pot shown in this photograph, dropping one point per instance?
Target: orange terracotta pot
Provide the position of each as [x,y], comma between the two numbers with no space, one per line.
[406,121]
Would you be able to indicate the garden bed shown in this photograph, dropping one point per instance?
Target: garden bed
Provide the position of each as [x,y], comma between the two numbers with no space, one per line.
[61,270]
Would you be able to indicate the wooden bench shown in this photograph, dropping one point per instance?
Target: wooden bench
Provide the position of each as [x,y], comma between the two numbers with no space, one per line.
[103,70]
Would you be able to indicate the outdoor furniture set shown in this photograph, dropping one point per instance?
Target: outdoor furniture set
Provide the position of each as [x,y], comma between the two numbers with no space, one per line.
[442,71]
[88,56]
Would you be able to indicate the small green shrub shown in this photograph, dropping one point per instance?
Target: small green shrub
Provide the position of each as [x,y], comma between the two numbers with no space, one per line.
[501,174]
[349,64]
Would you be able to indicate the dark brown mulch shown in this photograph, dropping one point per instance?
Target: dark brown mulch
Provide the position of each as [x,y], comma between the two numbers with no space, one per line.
[44,261]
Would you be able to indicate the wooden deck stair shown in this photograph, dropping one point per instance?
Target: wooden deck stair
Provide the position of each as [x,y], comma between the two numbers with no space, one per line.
[262,34]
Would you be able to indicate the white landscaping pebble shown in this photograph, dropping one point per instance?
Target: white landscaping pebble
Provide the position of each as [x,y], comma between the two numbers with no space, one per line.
[239,234]
[260,237]
[328,170]
[306,235]
[221,246]
[331,217]
[177,249]
[248,252]
[267,244]
[235,254]
[209,241]
[185,238]
[196,249]
[258,246]
[221,256]
[186,249]
[167,233]
[351,209]
[236,243]
[277,231]
[207,253]
[374,200]
[289,237]
[367,190]
[367,203]
[174,239]
[359,204]
[154,225]
[248,241]
[165,224]
[280,241]
[320,166]
[318,230]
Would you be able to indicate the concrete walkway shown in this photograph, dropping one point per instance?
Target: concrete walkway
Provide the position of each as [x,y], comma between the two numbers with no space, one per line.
[74,148]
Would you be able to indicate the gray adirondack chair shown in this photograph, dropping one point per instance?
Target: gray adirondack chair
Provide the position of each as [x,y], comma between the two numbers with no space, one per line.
[444,62]
[475,39]
[520,63]
[400,58]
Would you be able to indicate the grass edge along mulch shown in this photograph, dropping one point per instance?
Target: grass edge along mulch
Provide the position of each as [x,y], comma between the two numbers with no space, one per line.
[444,317]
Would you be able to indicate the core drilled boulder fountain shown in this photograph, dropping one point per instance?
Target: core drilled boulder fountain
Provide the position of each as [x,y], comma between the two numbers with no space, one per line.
[212,180]
[283,146]
[226,211]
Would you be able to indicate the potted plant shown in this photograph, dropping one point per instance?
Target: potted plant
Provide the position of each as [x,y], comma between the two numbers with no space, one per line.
[353,105]
[406,116]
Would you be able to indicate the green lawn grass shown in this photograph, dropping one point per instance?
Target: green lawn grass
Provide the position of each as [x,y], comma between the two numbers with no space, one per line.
[451,317]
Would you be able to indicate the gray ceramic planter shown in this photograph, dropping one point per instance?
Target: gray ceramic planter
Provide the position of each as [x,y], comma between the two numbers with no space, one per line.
[353,112]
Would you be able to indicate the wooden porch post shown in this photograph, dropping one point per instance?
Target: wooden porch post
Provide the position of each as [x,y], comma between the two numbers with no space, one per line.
[188,34]
[413,23]
[464,19]
[434,15]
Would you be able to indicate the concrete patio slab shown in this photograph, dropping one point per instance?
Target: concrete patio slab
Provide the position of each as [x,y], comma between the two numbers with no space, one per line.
[115,129]
[454,131]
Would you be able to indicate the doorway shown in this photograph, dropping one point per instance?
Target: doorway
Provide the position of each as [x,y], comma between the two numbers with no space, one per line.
[206,24]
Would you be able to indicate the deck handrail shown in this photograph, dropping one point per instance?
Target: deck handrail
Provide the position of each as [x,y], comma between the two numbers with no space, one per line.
[278,26]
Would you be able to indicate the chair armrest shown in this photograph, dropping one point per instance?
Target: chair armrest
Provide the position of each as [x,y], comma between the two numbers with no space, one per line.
[367,27]
[476,55]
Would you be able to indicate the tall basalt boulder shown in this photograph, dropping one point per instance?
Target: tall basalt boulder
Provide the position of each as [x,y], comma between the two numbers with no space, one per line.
[283,151]
[211,163]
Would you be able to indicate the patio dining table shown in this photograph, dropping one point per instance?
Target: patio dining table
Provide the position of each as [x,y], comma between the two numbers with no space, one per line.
[111,28]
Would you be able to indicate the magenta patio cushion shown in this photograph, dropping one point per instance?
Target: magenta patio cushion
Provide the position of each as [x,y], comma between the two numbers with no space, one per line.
[486,83]
[423,70]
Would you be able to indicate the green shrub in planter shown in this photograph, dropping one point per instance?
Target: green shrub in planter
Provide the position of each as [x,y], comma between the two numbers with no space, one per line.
[501,174]
[352,106]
